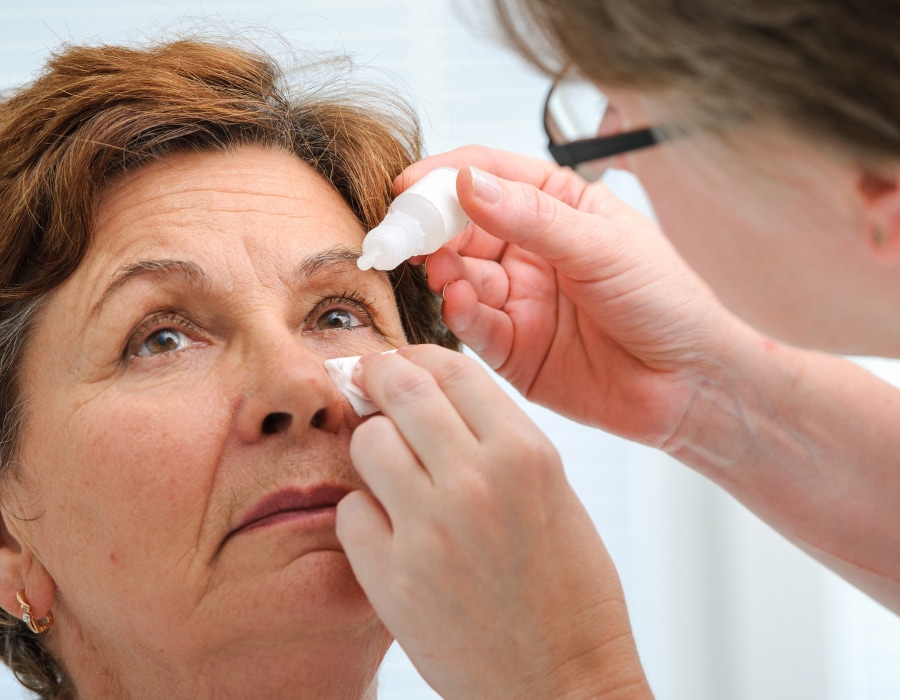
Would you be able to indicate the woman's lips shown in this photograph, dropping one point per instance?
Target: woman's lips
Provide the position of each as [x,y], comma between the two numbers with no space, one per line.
[310,504]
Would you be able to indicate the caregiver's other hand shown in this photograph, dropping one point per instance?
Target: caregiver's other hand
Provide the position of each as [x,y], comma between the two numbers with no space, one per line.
[472,547]
[574,297]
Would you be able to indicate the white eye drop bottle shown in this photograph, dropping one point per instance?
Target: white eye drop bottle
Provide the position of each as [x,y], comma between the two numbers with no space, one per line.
[418,222]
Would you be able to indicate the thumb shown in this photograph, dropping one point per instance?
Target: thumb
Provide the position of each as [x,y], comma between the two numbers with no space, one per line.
[571,240]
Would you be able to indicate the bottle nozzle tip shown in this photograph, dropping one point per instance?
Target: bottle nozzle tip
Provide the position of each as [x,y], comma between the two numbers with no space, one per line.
[366,261]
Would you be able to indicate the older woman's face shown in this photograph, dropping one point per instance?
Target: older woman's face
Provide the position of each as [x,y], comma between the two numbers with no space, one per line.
[184,447]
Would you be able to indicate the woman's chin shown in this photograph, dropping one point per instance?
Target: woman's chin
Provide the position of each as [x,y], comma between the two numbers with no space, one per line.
[319,587]
[309,599]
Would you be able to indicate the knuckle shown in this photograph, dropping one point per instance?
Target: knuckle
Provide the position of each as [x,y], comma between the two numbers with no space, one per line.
[476,152]
[458,370]
[367,437]
[481,486]
[537,210]
[474,487]
[493,285]
[409,387]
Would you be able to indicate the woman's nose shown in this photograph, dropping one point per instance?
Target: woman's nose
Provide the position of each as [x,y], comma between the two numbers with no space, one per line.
[286,388]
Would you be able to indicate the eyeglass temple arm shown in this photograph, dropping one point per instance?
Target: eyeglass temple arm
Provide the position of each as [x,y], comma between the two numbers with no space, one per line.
[575,152]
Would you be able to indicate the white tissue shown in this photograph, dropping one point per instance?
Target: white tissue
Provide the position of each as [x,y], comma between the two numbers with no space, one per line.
[340,369]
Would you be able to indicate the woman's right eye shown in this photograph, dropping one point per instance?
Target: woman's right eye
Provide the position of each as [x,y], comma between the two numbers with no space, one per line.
[160,334]
[338,319]
[163,341]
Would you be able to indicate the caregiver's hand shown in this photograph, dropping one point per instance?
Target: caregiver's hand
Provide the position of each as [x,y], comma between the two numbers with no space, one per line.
[574,297]
[585,307]
[477,555]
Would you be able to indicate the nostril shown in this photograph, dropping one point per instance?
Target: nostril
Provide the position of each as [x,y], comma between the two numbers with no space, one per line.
[318,419]
[275,423]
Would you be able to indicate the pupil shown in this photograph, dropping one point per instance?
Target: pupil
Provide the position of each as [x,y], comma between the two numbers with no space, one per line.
[163,341]
[337,319]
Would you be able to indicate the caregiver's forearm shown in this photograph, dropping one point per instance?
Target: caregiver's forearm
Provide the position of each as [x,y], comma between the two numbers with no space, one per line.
[811,443]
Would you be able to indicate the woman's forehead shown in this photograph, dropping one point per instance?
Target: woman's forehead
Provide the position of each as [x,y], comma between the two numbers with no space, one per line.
[254,203]
[249,181]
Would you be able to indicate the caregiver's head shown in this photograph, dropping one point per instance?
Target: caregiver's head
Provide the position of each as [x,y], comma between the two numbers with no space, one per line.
[177,258]
[780,153]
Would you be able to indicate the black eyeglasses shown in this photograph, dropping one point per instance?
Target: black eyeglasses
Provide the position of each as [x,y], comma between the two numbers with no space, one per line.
[574,113]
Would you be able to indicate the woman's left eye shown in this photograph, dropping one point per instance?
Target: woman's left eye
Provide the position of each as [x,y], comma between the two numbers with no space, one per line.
[338,319]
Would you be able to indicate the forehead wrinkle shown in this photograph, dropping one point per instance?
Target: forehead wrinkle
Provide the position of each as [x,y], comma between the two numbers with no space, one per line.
[180,186]
[191,272]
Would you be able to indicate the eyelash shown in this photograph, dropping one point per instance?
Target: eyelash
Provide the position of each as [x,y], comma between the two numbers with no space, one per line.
[158,321]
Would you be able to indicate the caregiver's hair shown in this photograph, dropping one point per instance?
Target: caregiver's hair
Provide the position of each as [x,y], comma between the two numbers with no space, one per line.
[827,71]
[96,113]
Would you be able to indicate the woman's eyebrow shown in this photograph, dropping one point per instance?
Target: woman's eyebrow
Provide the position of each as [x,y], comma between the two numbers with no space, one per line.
[333,259]
[191,272]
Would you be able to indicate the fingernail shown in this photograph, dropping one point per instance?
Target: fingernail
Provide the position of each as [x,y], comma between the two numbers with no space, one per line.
[485,186]
[444,290]
[357,369]
[363,359]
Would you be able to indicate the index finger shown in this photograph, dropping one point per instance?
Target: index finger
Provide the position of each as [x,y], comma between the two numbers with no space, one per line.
[425,417]
[472,242]
[443,403]
[506,164]
[478,400]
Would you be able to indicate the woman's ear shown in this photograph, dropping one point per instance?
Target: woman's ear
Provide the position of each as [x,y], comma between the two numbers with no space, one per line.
[20,570]
[880,192]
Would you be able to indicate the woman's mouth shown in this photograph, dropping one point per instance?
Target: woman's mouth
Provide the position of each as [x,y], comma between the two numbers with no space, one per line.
[313,507]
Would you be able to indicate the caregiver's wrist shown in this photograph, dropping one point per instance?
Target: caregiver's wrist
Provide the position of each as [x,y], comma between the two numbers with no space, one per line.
[735,405]
[606,671]
[599,682]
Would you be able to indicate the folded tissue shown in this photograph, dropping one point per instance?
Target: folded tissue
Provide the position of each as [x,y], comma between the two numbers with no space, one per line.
[340,369]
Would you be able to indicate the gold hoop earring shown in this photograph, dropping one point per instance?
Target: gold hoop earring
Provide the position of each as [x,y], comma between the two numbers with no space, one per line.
[36,626]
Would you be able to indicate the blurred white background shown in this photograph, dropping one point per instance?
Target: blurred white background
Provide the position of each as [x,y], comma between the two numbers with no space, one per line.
[722,607]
